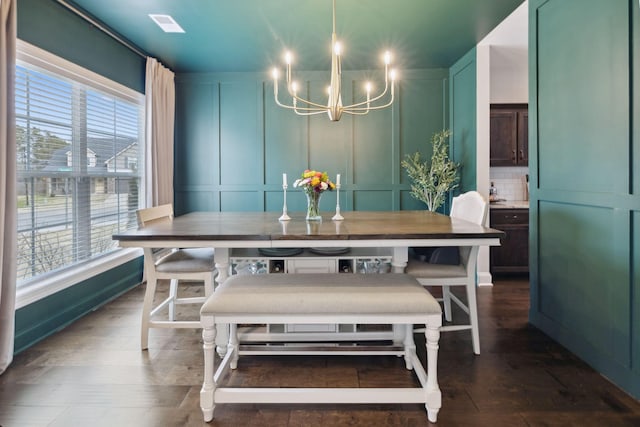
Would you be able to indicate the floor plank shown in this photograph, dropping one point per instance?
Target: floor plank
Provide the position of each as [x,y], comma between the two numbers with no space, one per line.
[93,373]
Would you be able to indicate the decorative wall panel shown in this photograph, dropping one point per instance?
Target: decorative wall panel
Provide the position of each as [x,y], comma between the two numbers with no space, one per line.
[584,168]
[233,143]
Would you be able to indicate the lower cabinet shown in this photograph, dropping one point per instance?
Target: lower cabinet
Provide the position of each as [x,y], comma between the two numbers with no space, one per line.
[512,256]
[310,265]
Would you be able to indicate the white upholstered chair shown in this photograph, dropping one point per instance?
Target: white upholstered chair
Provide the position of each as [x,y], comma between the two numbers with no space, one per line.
[175,265]
[472,207]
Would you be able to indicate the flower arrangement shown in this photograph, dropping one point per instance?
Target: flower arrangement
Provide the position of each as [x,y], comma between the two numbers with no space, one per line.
[314,183]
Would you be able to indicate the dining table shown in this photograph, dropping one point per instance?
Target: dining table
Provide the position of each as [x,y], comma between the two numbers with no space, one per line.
[225,231]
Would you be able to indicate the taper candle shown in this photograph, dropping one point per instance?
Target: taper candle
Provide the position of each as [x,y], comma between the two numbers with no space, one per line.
[338,179]
[284,179]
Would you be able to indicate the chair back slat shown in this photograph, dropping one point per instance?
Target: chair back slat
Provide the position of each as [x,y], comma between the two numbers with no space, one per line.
[470,206]
[154,214]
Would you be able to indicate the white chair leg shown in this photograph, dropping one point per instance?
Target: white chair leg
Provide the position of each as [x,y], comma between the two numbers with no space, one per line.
[473,316]
[173,294]
[146,311]
[446,301]
[208,285]
[233,345]
[409,346]
[398,334]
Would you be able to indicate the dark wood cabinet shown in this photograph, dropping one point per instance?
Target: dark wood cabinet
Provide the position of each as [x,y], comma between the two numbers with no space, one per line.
[509,141]
[513,254]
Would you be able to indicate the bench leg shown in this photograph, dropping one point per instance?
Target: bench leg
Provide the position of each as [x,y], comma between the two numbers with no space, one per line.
[434,396]
[208,386]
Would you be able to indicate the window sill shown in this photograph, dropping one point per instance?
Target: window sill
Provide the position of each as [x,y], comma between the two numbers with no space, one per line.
[42,288]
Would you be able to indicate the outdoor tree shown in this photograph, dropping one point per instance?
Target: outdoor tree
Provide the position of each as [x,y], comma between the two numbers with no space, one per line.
[34,149]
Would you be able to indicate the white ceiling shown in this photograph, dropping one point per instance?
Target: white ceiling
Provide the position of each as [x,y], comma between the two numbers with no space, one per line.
[513,31]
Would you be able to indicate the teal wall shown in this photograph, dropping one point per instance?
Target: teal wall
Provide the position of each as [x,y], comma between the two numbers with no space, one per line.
[50,26]
[46,24]
[48,315]
[462,76]
[233,142]
[585,180]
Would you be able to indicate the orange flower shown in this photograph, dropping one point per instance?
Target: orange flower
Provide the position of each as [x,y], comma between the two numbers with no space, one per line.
[316,181]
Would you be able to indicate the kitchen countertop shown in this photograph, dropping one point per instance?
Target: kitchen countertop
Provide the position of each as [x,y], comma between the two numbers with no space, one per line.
[510,204]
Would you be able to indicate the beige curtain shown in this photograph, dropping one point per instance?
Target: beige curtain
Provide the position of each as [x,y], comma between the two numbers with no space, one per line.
[8,199]
[160,109]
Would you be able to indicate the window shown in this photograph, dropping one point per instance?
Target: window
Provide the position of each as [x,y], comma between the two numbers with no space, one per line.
[78,135]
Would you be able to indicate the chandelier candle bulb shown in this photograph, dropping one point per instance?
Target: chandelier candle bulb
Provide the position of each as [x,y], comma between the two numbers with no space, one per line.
[337,48]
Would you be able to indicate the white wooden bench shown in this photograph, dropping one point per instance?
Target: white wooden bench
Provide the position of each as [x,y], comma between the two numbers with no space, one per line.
[396,299]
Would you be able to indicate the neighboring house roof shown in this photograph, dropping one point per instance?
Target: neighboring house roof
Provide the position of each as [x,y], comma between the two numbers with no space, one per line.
[103,148]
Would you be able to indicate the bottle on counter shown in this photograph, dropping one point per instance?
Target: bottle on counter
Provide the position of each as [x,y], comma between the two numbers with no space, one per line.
[493,192]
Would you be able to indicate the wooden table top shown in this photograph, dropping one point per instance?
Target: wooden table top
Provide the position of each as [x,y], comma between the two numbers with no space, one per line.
[357,225]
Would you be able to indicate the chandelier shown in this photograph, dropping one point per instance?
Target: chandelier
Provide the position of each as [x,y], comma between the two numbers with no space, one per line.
[334,107]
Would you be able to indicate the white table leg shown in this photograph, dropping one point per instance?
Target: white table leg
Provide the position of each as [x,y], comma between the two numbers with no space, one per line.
[400,259]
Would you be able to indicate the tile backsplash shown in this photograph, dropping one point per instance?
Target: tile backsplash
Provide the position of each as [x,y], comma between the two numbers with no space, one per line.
[510,182]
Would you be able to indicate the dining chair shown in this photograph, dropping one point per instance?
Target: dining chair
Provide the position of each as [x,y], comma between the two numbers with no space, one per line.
[472,207]
[175,265]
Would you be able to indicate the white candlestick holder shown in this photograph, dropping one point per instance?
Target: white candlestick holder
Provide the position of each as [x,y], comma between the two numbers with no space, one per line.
[337,216]
[284,216]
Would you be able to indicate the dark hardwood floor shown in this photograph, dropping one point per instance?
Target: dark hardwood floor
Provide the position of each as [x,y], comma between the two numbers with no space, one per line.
[92,373]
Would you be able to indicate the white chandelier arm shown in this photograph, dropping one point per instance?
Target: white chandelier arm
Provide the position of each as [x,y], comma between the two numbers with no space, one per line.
[375,98]
[350,110]
[369,101]
[295,107]
[357,113]
[311,111]
[293,94]
[312,104]
[297,98]
[315,107]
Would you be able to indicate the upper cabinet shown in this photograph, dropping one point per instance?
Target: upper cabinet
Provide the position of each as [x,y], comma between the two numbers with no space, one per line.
[509,135]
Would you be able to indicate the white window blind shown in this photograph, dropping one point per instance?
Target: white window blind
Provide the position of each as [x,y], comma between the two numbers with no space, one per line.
[80,145]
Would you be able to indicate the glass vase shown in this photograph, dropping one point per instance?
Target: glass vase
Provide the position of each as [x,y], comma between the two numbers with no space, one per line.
[313,206]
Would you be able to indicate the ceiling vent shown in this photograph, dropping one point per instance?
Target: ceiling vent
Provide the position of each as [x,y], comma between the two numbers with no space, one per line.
[167,23]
